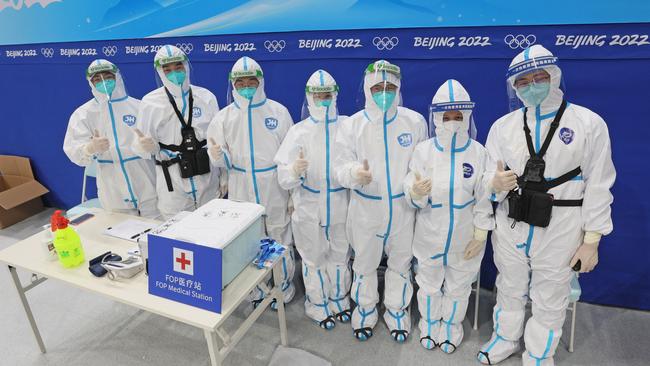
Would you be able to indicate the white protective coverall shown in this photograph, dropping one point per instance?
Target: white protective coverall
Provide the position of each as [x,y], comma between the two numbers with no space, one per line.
[158,120]
[533,262]
[250,133]
[379,219]
[447,218]
[125,183]
[320,206]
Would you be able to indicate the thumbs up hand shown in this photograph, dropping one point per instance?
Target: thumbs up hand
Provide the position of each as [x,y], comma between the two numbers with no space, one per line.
[504,180]
[147,144]
[300,165]
[363,175]
[421,187]
[214,150]
[97,144]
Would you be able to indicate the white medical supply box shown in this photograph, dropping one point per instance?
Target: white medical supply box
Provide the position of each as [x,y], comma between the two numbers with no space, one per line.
[193,259]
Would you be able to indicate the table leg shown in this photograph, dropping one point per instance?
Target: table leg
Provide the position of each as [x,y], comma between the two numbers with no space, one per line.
[279,296]
[477,294]
[213,348]
[28,310]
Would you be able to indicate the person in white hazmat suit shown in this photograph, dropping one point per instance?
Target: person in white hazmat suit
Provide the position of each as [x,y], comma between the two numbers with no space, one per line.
[244,138]
[551,146]
[445,184]
[305,166]
[171,129]
[100,131]
[375,146]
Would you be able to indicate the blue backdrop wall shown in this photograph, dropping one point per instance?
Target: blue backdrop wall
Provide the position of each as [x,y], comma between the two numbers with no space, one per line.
[43,84]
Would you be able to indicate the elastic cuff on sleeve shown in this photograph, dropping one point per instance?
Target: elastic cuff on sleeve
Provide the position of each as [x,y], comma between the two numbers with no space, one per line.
[592,237]
[480,234]
[415,196]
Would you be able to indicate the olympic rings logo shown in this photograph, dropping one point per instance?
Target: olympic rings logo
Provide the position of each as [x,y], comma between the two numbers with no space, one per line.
[520,41]
[109,51]
[275,46]
[385,43]
[47,52]
[187,48]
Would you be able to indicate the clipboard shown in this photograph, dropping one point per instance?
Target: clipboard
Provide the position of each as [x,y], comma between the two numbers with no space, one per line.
[130,230]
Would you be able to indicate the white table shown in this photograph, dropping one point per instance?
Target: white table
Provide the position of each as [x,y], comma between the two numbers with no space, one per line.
[29,256]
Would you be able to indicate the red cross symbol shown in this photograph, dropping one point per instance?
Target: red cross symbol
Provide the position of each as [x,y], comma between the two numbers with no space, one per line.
[183,261]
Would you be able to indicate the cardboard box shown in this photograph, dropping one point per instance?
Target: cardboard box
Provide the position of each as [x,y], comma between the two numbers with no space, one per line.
[20,193]
[192,260]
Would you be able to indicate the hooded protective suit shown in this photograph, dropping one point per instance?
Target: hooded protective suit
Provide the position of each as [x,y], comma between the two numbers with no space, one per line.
[124,181]
[447,218]
[533,262]
[158,120]
[379,219]
[320,206]
[250,132]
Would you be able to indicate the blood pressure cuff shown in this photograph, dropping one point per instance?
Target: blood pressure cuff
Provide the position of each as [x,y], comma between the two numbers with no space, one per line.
[95,264]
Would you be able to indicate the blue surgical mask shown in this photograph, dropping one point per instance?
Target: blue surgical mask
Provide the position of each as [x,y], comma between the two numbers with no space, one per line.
[177,77]
[384,99]
[535,93]
[324,103]
[247,92]
[105,86]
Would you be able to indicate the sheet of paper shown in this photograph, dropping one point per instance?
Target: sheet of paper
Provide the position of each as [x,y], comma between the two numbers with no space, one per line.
[130,229]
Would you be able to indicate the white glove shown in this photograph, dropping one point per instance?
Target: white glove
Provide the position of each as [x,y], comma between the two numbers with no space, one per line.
[476,245]
[362,175]
[223,190]
[421,187]
[587,253]
[503,180]
[97,144]
[223,183]
[147,144]
[215,150]
[300,165]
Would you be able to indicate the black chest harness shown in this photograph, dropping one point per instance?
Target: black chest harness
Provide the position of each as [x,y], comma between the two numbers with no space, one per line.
[531,203]
[192,158]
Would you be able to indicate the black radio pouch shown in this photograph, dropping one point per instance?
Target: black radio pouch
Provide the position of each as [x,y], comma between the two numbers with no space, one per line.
[531,207]
[534,171]
[192,158]
[531,203]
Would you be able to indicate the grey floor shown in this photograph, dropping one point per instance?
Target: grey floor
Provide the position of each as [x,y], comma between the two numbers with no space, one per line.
[84,329]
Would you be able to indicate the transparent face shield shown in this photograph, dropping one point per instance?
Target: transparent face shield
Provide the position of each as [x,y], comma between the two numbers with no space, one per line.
[320,102]
[385,90]
[105,80]
[173,70]
[244,84]
[452,117]
[534,82]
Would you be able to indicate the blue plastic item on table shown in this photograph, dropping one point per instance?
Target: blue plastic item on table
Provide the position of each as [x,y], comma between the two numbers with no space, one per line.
[270,251]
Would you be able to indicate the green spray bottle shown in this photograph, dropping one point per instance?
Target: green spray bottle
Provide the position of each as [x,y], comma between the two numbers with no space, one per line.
[66,241]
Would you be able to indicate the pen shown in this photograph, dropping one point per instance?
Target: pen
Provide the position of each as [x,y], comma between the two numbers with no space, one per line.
[138,234]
